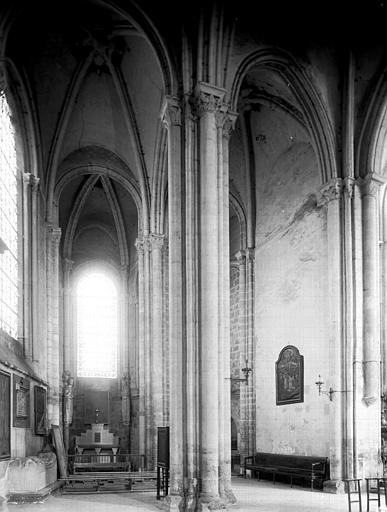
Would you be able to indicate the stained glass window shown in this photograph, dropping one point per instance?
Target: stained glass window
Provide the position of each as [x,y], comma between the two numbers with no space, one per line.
[9,264]
[97,326]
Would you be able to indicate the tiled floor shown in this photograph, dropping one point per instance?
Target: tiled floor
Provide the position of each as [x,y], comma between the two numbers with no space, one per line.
[252,496]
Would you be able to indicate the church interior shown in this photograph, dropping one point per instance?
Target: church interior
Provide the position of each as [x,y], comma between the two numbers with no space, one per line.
[193,214]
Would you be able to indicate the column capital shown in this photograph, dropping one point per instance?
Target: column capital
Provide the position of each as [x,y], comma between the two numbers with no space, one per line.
[241,258]
[208,98]
[229,124]
[124,269]
[68,264]
[156,241]
[349,186]
[133,299]
[143,244]
[139,244]
[54,233]
[171,111]
[370,184]
[331,191]
[31,180]
[250,254]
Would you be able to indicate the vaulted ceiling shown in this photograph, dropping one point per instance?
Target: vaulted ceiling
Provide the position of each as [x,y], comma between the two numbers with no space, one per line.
[97,88]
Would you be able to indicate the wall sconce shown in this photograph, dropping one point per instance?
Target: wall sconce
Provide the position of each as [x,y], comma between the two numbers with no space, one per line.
[319,384]
[246,372]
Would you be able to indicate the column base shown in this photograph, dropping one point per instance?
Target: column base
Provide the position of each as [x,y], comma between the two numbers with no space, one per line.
[173,503]
[227,496]
[207,504]
[334,486]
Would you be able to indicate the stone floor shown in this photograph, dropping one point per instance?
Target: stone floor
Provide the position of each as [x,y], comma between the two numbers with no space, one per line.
[252,496]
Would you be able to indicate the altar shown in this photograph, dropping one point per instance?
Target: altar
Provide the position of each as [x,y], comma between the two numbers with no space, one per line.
[98,449]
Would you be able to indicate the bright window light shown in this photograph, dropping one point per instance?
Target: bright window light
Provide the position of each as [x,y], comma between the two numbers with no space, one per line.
[97,326]
[9,264]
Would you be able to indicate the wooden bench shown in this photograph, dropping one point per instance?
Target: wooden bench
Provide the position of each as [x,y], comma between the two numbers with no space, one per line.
[313,469]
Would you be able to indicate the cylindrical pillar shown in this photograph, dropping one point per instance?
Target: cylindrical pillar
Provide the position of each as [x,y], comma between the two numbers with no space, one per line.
[349,328]
[157,363]
[370,443]
[371,316]
[249,386]
[35,283]
[332,193]
[171,116]
[141,346]
[150,462]
[225,463]
[53,365]
[26,327]
[68,342]
[209,100]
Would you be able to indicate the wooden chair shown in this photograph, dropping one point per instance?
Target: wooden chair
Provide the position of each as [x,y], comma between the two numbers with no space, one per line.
[355,490]
[374,486]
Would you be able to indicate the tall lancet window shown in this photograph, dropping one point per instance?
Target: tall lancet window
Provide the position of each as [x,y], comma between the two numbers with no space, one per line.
[9,205]
[97,325]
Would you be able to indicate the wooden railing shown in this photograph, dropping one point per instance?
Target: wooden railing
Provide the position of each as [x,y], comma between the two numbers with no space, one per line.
[105,462]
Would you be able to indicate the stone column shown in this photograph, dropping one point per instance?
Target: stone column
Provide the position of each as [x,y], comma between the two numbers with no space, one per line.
[225,490]
[191,306]
[332,194]
[145,413]
[26,328]
[53,365]
[141,345]
[171,116]
[150,462]
[371,316]
[68,341]
[209,101]
[357,358]
[349,326]
[370,186]
[250,386]
[35,301]
[30,265]
[157,362]
[133,337]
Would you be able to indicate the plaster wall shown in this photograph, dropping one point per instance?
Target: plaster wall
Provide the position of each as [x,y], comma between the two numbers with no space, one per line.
[291,303]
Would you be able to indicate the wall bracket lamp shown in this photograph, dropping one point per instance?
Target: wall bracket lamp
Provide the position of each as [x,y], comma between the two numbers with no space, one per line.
[246,371]
[319,383]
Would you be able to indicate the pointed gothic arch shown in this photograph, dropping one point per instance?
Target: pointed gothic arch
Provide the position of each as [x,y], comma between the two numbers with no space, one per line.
[315,112]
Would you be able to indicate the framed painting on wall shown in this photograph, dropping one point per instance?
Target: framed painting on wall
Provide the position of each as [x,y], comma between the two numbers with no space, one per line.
[21,402]
[289,373]
[5,416]
[40,404]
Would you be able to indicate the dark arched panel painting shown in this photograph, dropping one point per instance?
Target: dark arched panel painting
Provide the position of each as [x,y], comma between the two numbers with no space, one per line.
[289,376]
